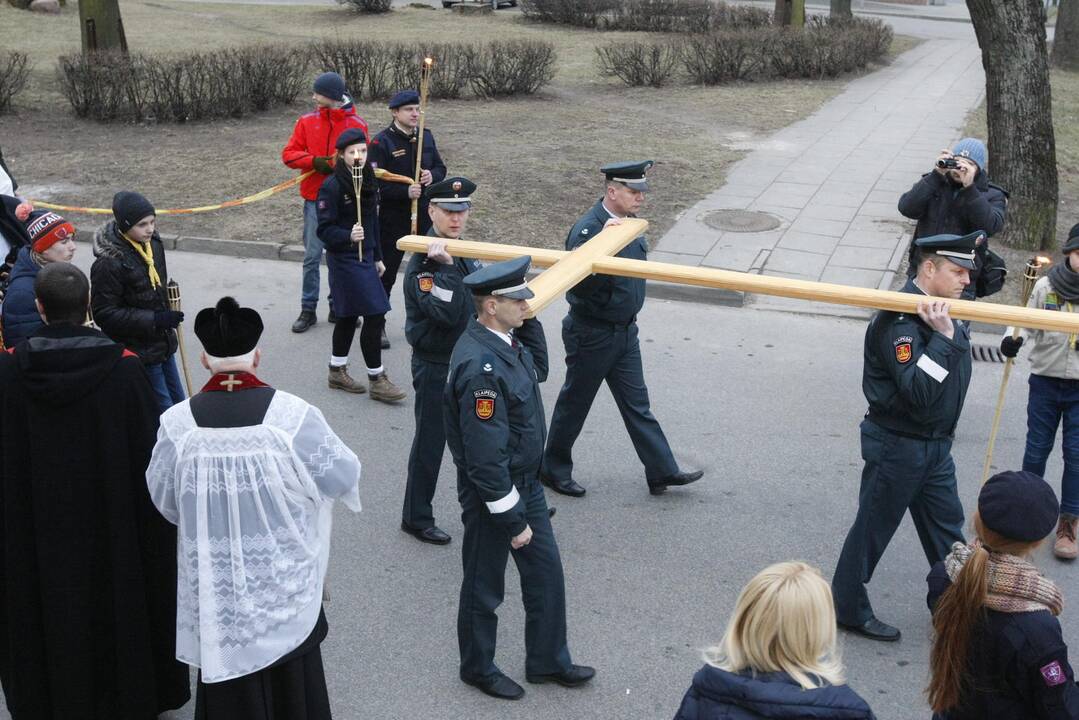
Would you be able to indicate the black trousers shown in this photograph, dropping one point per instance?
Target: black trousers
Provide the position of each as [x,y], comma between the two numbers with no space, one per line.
[394,224]
[428,444]
[485,548]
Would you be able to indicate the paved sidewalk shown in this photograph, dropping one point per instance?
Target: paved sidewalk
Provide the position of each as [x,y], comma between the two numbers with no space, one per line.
[832,181]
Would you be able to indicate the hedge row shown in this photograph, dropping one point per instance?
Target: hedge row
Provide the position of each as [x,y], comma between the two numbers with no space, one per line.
[233,83]
[824,48]
[691,16]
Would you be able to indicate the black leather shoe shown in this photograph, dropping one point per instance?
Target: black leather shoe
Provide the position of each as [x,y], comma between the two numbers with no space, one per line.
[307,319]
[874,630]
[570,487]
[658,487]
[497,686]
[576,675]
[551,511]
[385,341]
[432,535]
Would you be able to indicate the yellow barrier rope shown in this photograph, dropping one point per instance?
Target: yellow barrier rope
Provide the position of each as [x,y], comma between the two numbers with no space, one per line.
[381,174]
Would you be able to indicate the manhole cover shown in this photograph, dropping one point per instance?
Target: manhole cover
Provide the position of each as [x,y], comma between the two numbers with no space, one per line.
[746,221]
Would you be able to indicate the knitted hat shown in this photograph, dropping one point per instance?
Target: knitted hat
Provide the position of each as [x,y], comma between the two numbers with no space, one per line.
[1072,243]
[228,330]
[129,208]
[972,149]
[1018,505]
[47,229]
[350,137]
[331,85]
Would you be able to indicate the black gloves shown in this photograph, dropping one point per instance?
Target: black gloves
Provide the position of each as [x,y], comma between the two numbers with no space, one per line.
[167,319]
[323,163]
[1009,346]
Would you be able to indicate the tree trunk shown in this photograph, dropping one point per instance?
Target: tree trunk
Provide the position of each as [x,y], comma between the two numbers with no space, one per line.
[789,12]
[1019,112]
[1066,40]
[102,28]
[841,8]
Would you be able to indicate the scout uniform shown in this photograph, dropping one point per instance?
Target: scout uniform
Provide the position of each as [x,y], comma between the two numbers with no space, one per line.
[495,428]
[438,308]
[915,380]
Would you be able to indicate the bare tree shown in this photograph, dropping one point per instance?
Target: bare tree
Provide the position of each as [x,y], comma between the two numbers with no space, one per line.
[1019,112]
[102,27]
[1066,40]
[841,8]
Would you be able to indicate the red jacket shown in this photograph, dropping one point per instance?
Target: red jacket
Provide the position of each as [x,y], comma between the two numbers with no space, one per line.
[314,135]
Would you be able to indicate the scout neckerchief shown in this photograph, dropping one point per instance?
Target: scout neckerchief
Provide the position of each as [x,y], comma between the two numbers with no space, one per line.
[147,254]
[232,381]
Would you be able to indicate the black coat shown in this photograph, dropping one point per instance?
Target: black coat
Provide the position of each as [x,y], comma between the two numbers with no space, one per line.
[438,306]
[609,298]
[122,299]
[720,695]
[1018,662]
[395,151]
[87,564]
[20,315]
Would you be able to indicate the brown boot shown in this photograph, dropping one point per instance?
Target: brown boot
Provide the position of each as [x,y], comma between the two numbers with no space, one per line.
[341,380]
[385,391]
[1065,547]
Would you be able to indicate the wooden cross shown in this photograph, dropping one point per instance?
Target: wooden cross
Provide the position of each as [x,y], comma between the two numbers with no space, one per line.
[596,256]
[231,383]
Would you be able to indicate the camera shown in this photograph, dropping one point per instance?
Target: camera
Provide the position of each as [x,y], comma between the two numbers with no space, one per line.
[947,163]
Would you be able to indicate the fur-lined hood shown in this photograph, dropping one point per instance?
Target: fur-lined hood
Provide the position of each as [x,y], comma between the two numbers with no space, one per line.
[109,243]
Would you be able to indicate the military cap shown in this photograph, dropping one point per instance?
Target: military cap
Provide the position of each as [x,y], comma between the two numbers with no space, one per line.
[405,97]
[957,248]
[228,330]
[630,174]
[350,137]
[453,193]
[504,279]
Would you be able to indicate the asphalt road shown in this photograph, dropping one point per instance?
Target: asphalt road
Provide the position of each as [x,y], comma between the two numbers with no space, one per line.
[767,403]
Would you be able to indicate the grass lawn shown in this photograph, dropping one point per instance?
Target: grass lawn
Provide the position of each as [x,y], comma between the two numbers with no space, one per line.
[1066,126]
[535,159]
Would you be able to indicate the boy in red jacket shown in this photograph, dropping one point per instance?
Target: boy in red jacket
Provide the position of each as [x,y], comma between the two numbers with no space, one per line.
[311,147]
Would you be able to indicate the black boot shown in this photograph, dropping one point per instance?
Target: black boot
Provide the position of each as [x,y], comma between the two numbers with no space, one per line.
[307,319]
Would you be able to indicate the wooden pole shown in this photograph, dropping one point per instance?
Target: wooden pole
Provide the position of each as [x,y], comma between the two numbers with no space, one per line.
[425,78]
[991,313]
[1030,276]
[173,292]
[357,186]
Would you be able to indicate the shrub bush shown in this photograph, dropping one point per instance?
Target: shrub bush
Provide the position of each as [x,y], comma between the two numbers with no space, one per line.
[690,16]
[514,67]
[725,55]
[661,15]
[375,70]
[194,86]
[638,63]
[368,6]
[579,13]
[14,71]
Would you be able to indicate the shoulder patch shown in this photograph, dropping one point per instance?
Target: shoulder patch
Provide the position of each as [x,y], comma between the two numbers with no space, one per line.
[485,403]
[1053,674]
[902,349]
[425,281]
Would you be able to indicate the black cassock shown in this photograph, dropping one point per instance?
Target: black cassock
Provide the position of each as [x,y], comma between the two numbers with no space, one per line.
[87,565]
[294,687]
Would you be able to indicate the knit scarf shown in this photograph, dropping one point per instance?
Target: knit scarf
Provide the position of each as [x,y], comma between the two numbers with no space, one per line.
[1015,585]
[147,254]
[1065,281]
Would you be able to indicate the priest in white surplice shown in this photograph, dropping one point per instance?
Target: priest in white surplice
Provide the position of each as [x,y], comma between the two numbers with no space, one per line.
[249,475]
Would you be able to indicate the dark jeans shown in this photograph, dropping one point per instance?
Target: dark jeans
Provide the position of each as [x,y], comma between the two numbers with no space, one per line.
[900,474]
[1052,400]
[428,443]
[165,380]
[484,551]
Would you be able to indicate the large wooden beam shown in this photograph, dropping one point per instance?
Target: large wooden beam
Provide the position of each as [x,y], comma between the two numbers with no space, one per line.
[763,284]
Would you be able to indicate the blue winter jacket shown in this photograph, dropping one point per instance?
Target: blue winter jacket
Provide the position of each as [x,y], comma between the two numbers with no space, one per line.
[20,314]
[720,695]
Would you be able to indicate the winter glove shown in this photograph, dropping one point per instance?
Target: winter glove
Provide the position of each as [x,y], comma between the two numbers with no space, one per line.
[1009,346]
[167,319]
[323,163]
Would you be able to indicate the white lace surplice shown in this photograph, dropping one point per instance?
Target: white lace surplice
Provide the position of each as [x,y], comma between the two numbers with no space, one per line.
[253,506]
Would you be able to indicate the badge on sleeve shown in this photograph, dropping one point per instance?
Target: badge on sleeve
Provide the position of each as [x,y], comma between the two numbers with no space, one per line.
[1053,674]
[426,281]
[485,403]
[902,349]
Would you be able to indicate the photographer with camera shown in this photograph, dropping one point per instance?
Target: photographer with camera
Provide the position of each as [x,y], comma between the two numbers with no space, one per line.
[957,198]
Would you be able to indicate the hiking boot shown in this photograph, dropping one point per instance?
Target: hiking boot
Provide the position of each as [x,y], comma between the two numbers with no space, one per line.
[307,319]
[1066,547]
[385,391]
[341,380]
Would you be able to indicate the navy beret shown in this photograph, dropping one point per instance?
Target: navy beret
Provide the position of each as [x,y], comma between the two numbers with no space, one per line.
[350,137]
[1018,505]
[405,97]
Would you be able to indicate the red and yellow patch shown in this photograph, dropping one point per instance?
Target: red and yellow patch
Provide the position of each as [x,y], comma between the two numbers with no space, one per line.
[426,282]
[902,352]
[485,408]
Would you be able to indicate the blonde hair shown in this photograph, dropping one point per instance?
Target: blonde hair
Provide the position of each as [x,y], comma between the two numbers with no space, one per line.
[784,621]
